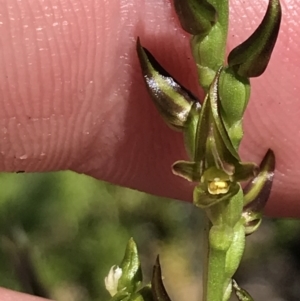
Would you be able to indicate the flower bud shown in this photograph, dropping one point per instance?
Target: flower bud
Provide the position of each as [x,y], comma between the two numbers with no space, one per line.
[196,16]
[250,59]
[172,100]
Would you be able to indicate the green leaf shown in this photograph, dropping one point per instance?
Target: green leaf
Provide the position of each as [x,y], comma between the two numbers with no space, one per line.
[250,59]
[158,290]
[196,16]
[172,100]
[131,269]
[202,132]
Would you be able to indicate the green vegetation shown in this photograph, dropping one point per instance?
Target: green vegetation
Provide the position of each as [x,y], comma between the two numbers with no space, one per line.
[75,228]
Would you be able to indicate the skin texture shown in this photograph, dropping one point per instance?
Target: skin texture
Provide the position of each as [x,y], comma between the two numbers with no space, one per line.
[72,95]
[7,295]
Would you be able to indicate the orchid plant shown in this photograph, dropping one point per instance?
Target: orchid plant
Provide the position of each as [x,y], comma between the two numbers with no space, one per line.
[212,131]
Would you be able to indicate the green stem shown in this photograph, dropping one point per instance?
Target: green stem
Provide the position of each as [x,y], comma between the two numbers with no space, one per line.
[213,269]
[209,49]
[205,256]
[221,7]
[225,241]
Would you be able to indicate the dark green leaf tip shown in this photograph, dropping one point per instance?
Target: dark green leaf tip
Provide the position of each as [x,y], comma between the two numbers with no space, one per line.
[250,59]
[172,100]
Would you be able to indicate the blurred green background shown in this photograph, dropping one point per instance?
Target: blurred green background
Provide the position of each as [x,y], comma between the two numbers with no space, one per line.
[61,233]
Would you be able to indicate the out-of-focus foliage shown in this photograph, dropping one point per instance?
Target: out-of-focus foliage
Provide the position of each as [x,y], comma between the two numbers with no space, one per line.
[60,233]
[75,228]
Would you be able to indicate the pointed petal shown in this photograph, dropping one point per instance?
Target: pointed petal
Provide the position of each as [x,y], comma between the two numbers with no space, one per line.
[202,132]
[190,130]
[237,170]
[187,170]
[172,100]
[257,192]
[250,59]
[158,290]
[196,16]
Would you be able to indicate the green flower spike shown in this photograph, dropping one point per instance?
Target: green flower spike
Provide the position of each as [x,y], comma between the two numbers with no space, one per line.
[158,290]
[212,135]
[250,59]
[217,165]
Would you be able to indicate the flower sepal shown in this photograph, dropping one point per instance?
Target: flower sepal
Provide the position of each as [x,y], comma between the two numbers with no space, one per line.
[257,192]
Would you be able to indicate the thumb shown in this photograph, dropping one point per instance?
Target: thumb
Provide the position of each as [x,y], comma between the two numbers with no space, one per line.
[72,94]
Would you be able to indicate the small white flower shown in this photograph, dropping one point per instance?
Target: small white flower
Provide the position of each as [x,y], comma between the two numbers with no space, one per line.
[112,279]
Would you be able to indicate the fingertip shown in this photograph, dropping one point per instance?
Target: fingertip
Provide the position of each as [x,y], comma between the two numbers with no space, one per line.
[8,295]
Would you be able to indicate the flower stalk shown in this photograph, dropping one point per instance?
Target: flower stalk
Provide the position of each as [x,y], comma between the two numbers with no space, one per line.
[212,131]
